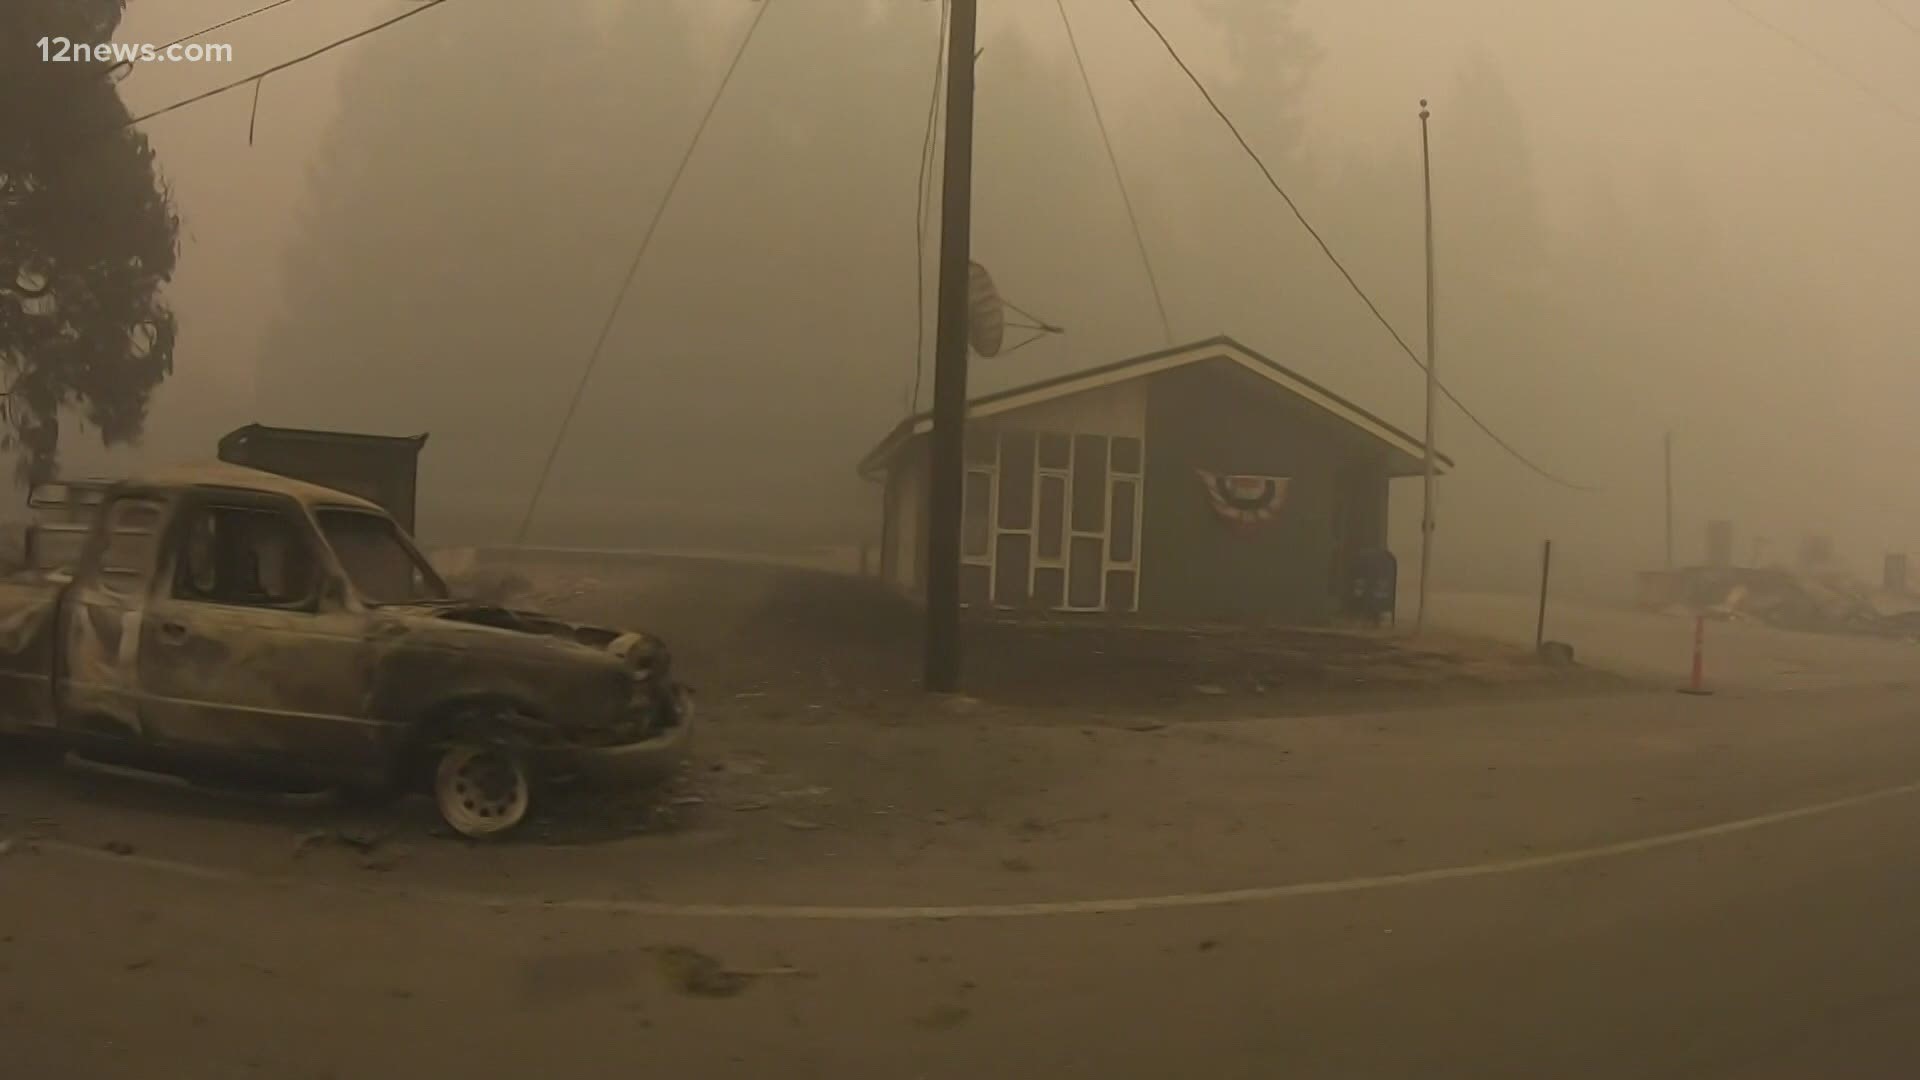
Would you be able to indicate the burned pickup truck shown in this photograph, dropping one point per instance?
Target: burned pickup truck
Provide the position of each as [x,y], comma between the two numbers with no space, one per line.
[222,622]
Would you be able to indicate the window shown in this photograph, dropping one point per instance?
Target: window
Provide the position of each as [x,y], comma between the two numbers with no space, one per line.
[126,562]
[980,446]
[1050,587]
[377,558]
[1053,517]
[1120,532]
[244,556]
[1056,450]
[1016,480]
[1052,520]
[1089,483]
[1084,572]
[976,525]
[1010,567]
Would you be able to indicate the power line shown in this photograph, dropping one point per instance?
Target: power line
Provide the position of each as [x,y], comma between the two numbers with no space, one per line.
[1273,182]
[205,30]
[1113,159]
[923,201]
[1832,66]
[426,6]
[633,267]
[1904,19]
[253,113]
[222,25]
[936,119]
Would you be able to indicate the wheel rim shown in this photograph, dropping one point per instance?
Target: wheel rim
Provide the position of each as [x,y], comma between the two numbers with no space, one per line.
[482,790]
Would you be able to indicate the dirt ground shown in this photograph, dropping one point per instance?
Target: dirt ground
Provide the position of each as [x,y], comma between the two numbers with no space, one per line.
[1774,951]
[1082,755]
[778,642]
[952,809]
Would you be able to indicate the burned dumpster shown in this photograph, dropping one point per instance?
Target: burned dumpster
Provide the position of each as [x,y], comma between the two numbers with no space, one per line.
[382,469]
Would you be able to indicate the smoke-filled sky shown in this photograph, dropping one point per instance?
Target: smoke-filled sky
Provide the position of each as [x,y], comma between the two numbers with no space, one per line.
[1652,214]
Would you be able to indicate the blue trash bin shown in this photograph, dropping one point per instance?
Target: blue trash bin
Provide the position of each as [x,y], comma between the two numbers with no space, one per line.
[1373,582]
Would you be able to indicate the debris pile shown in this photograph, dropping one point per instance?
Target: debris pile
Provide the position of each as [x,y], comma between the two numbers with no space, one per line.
[1826,603]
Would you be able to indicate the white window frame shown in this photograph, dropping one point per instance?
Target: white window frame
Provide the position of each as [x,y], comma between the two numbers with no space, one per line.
[1104,534]
[1031,532]
[993,518]
[1064,474]
[1139,482]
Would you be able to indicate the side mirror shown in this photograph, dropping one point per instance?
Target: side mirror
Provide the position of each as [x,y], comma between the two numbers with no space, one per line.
[333,595]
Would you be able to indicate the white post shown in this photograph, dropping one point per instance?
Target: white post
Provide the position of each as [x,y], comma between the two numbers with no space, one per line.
[1433,385]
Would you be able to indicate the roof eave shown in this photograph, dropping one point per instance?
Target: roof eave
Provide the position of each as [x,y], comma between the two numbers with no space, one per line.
[874,465]
[1399,444]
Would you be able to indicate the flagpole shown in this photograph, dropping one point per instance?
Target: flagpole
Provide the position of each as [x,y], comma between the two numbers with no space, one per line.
[1433,384]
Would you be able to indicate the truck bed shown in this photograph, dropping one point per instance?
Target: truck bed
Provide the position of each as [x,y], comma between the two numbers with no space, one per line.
[28,603]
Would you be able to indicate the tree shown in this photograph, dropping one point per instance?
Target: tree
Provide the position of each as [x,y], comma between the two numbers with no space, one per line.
[1273,59]
[88,237]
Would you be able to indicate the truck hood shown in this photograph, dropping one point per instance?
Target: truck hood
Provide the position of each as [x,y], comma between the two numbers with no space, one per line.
[638,649]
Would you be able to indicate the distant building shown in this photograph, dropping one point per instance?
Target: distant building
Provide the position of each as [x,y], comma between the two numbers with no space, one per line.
[1203,482]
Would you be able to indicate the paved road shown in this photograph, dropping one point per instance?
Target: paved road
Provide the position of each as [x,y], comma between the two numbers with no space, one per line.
[1785,948]
[1660,647]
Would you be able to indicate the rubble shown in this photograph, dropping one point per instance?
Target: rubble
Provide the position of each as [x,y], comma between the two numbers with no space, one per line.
[1829,602]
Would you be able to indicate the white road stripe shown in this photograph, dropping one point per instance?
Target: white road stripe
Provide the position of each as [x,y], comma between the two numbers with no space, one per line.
[1122,905]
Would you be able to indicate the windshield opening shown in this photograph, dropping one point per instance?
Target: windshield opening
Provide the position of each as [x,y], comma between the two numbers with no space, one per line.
[377,558]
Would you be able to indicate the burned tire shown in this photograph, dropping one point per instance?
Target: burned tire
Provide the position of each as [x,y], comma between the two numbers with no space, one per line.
[482,789]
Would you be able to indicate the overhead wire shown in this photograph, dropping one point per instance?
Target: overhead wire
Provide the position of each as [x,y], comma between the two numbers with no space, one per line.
[253,114]
[1903,18]
[224,23]
[426,6]
[633,268]
[202,32]
[923,201]
[1113,160]
[1832,66]
[936,118]
[1325,249]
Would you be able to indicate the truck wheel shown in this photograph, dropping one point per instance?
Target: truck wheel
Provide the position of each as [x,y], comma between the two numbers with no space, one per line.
[482,789]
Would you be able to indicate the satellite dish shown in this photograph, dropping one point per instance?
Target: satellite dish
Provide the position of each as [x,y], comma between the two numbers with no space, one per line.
[986,314]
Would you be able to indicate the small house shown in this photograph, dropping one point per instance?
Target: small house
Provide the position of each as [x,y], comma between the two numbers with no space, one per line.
[1204,482]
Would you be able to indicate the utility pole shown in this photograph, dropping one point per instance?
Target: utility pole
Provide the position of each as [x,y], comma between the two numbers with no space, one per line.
[948,463]
[1433,383]
[1669,500]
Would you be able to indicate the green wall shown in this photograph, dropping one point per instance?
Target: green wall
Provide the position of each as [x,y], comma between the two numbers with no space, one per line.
[1220,417]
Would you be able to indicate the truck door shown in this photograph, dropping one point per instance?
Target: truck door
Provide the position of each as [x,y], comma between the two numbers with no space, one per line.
[244,652]
[98,686]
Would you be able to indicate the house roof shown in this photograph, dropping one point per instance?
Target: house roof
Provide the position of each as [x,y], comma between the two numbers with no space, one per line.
[1411,453]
